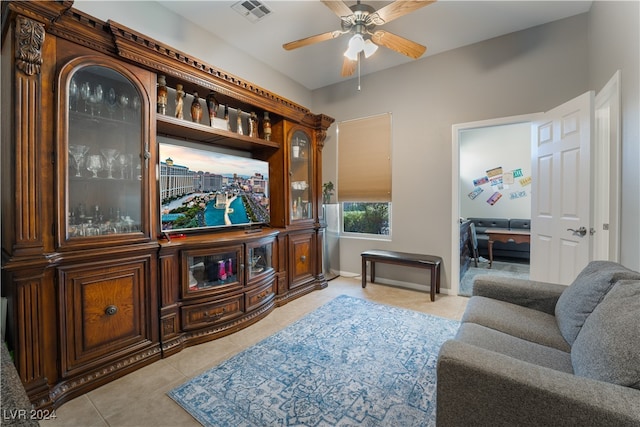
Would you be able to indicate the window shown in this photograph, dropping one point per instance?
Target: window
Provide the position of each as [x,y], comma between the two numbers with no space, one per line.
[366,217]
[364,175]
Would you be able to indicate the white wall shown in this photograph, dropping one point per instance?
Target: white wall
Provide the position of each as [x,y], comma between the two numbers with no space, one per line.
[163,25]
[522,73]
[481,149]
[614,43]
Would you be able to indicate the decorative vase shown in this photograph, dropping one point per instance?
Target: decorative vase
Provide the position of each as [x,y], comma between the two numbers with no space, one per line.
[239,123]
[196,108]
[295,148]
[253,125]
[212,106]
[266,126]
[229,267]
[162,95]
[222,272]
[179,101]
[226,117]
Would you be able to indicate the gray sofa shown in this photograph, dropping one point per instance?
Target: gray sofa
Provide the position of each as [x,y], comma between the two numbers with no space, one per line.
[500,249]
[539,354]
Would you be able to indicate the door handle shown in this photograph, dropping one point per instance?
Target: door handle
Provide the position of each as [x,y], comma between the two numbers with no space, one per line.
[582,231]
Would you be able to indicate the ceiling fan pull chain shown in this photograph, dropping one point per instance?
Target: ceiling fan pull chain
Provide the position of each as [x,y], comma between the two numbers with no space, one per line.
[358,71]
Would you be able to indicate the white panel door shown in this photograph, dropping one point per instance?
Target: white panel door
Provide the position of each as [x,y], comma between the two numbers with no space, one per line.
[561,185]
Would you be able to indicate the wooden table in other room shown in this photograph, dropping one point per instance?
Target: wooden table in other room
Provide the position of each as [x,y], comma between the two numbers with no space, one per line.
[505,236]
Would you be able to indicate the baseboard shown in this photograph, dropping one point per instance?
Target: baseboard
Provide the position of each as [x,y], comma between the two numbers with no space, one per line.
[397,283]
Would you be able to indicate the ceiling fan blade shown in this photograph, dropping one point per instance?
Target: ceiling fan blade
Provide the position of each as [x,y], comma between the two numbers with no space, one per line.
[399,44]
[338,7]
[311,40]
[399,8]
[348,67]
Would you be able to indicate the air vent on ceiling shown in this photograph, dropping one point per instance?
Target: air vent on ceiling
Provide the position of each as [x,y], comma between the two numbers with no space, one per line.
[253,10]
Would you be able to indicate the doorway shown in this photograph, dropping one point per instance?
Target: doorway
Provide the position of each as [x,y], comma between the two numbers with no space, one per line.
[458,192]
[606,151]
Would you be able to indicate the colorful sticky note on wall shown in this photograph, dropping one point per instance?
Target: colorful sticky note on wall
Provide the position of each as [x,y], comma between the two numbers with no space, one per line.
[496,181]
[480,181]
[494,172]
[525,181]
[507,177]
[476,191]
[494,198]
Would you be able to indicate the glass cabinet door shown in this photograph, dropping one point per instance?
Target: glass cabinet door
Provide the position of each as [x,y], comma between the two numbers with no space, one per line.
[301,195]
[104,154]
[260,258]
[211,270]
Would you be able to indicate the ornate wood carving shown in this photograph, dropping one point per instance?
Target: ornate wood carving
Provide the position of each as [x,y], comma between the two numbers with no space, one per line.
[29,40]
[84,383]
[164,59]
[28,307]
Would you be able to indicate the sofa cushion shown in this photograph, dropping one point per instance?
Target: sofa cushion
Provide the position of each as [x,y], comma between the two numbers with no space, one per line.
[525,323]
[608,345]
[482,224]
[527,351]
[585,293]
[520,224]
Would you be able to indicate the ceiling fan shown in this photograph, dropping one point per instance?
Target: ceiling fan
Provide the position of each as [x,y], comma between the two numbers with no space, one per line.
[361,21]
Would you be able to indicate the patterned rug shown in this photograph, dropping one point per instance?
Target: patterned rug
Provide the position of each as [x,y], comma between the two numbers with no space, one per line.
[499,268]
[350,362]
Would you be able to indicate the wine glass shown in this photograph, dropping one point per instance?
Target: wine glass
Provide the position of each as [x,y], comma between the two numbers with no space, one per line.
[110,155]
[94,164]
[135,103]
[123,100]
[98,94]
[73,95]
[78,152]
[112,101]
[123,162]
[85,93]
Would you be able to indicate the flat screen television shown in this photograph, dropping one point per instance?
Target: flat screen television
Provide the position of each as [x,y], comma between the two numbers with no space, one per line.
[205,187]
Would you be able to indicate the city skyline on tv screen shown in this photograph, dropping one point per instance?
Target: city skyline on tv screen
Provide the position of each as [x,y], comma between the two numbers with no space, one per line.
[202,188]
[198,160]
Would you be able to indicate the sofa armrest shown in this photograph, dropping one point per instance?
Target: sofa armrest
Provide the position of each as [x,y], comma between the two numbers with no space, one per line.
[541,296]
[481,387]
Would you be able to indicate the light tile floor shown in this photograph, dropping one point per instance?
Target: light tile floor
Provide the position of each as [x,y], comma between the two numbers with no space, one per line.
[139,399]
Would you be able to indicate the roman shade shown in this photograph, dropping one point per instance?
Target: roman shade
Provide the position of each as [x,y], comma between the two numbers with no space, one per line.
[364,159]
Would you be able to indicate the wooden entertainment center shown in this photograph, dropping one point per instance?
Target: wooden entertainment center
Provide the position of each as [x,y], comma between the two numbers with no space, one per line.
[95,287]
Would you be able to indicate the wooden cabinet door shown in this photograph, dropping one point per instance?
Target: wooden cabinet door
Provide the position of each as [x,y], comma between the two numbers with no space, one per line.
[301,258]
[104,311]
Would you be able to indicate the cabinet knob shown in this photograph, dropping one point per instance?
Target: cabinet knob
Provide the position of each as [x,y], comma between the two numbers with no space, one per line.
[303,258]
[111,310]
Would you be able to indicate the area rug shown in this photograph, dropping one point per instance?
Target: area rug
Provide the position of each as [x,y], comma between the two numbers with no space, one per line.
[350,362]
[499,268]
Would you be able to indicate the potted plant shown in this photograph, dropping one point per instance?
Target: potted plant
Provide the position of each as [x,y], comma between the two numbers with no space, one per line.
[327,192]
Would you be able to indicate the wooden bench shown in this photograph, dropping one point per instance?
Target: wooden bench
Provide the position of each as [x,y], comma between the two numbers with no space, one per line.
[430,262]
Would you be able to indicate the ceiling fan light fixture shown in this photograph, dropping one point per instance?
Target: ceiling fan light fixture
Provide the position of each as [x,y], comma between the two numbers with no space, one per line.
[351,55]
[369,48]
[356,44]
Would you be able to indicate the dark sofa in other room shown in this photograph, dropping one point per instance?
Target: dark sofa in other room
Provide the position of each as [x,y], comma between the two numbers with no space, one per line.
[501,250]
